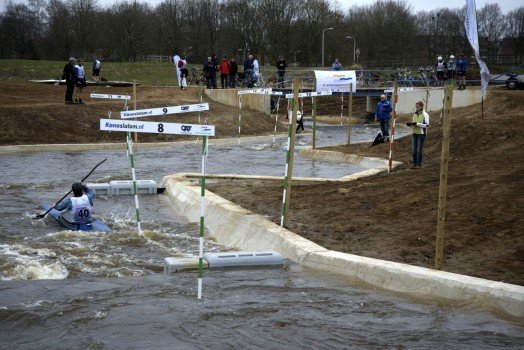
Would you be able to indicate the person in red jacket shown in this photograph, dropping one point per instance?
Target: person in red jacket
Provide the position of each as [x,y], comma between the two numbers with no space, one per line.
[224,72]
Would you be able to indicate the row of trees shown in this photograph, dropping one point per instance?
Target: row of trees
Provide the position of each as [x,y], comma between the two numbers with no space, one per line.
[130,30]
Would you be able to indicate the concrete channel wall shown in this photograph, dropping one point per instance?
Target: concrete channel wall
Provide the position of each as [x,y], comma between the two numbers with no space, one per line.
[406,101]
[238,228]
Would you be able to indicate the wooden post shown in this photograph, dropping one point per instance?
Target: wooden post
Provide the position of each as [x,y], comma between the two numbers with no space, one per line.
[289,157]
[134,106]
[443,187]
[350,114]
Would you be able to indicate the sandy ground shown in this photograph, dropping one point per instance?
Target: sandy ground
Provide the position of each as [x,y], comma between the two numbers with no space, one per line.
[391,216]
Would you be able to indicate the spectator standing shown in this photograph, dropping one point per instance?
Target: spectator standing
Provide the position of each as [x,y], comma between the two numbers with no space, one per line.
[281,71]
[97,66]
[210,70]
[184,72]
[249,69]
[80,81]
[461,72]
[233,71]
[383,115]
[68,74]
[336,65]
[420,124]
[442,68]
[452,66]
[224,72]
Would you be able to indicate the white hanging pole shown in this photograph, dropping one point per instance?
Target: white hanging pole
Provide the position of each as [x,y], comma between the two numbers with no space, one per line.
[276,119]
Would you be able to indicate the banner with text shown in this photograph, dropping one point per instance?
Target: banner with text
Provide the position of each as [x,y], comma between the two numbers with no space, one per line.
[157,127]
[336,81]
[164,110]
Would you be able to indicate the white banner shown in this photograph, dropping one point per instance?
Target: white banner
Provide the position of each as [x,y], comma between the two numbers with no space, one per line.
[336,81]
[311,94]
[157,127]
[113,97]
[470,23]
[400,90]
[256,91]
[164,110]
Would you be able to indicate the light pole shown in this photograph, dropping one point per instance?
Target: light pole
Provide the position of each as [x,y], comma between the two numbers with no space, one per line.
[323,44]
[354,46]
[295,51]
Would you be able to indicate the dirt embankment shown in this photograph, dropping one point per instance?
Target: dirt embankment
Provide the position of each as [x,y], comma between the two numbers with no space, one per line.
[388,216]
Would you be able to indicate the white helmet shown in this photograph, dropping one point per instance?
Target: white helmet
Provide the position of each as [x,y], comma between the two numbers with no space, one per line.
[439,58]
[451,56]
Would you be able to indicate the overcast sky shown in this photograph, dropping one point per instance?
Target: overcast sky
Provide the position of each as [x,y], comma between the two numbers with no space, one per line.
[416,5]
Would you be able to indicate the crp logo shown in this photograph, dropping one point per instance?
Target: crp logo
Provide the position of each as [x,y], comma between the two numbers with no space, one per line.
[184,108]
[186,128]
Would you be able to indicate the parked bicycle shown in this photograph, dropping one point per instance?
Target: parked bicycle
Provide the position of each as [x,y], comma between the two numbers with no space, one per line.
[243,80]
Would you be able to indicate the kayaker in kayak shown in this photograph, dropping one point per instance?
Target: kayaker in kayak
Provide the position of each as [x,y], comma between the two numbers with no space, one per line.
[80,205]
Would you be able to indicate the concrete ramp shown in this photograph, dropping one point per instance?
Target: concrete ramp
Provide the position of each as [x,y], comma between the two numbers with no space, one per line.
[235,227]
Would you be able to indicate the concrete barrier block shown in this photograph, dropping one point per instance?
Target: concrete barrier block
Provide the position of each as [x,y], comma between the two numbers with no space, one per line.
[225,259]
[126,187]
[175,264]
[100,188]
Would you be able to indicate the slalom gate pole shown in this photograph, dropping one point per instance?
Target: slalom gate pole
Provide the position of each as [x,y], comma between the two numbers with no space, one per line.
[201,100]
[314,115]
[290,128]
[239,115]
[135,189]
[341,107]
[392,136]
[350,112]
[276,119]
[134,101]
[202,215]
[288,173]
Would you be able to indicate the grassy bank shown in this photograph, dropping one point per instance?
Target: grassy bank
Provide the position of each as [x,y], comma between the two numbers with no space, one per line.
[150,73]
[147,73]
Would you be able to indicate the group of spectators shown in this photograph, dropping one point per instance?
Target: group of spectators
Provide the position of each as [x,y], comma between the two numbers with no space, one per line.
[75,79]
[229,71]
[452,70]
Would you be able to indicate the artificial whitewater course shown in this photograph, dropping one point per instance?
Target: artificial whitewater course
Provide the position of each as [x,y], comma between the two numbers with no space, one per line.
[65,289]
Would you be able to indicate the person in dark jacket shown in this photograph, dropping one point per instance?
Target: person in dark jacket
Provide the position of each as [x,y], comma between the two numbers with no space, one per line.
[233,71]
[383,114]
[210,69]
[69,75]
[461,72]
[281,71]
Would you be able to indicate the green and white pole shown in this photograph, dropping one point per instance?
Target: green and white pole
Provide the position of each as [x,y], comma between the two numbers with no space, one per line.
[135,189]
[202,215]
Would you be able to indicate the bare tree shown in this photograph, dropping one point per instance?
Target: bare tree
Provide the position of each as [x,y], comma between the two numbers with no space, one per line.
[18,31]
[491,27]
[515,33]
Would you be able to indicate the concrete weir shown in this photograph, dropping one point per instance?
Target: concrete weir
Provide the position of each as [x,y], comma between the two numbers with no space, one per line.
[238,228]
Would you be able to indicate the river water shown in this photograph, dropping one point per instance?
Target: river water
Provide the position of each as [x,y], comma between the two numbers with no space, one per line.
[75,290]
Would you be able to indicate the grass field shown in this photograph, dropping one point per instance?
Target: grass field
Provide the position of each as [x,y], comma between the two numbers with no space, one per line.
[147,73]
[150,73]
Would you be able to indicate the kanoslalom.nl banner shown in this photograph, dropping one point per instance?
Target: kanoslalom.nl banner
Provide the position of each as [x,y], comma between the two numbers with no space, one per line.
[336,81]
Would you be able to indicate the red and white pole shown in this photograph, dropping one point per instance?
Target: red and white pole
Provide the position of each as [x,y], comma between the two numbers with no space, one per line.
[392,136]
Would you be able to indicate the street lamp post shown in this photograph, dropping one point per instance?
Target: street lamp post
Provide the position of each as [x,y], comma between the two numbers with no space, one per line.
[354,47]
[295,51]
[323,44]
